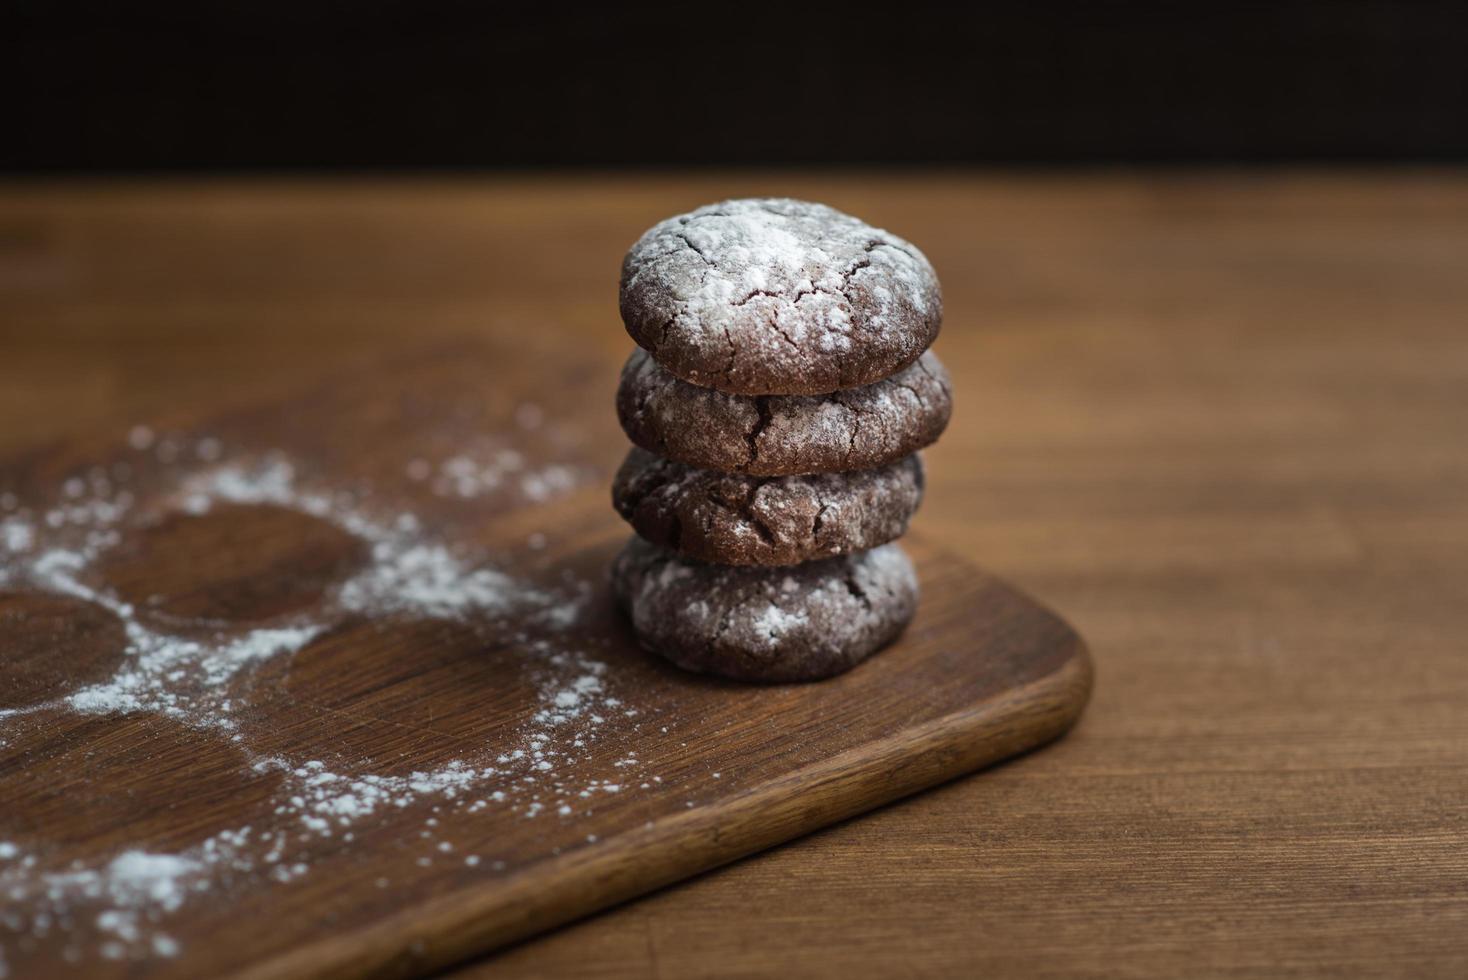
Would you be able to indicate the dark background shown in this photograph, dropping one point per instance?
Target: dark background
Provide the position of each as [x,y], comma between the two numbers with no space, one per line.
[373,84]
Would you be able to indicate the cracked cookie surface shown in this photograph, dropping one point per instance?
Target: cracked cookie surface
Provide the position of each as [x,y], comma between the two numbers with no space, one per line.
[766,624]
[772,296]
[782,435]
[746,520]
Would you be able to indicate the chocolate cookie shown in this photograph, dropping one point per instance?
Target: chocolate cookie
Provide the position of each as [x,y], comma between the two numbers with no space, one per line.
[781,435]
[778,297]
[766,624]
[748,520]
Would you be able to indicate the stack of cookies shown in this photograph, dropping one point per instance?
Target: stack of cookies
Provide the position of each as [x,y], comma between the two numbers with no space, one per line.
[779,395]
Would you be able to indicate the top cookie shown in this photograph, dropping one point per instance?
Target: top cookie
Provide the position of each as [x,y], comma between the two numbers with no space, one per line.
[770,296]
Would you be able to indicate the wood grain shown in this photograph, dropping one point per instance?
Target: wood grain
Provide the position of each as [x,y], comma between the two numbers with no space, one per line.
[1217,419]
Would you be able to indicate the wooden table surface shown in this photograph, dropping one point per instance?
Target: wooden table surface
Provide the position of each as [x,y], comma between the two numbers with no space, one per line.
[1220,422]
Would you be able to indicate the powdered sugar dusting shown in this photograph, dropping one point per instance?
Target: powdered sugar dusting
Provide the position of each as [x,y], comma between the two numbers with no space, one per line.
[775,622]
[429,579]
[119,908]
[773,295]
[470,476]
[16,536]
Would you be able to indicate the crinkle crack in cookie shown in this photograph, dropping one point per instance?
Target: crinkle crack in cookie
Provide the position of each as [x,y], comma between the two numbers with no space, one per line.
[766,624]
[784,435]
[746,520]
[778,297]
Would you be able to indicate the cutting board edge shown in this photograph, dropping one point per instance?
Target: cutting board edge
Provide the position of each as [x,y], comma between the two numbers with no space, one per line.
[468,923]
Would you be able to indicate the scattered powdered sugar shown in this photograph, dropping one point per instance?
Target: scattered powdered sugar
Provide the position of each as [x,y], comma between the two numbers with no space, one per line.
[16,536]
[153,679]
[429,579]
[136,878]
[124,899]
[494,466]
[549,482]
[473,475]
[124,903]
[219,664]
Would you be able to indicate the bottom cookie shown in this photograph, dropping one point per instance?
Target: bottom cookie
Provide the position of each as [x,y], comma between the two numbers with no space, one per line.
[798,623]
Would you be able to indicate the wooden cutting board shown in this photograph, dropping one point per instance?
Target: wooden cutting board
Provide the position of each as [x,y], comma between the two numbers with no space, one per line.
[335,687]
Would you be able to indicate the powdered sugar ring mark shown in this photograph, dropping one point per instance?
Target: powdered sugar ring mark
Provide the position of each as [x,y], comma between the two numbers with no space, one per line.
[185,679]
